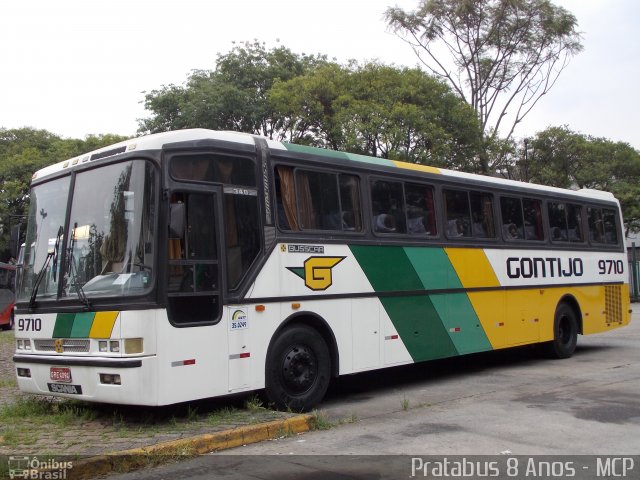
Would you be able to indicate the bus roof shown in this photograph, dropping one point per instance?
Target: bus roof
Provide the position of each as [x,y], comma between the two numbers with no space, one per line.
[158,140]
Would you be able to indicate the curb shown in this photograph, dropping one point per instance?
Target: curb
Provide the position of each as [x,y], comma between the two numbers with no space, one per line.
[128,460]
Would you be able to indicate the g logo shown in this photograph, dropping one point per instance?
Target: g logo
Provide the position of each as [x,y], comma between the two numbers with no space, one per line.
[317,272]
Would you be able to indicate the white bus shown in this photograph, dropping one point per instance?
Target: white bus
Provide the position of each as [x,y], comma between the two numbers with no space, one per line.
[197,263]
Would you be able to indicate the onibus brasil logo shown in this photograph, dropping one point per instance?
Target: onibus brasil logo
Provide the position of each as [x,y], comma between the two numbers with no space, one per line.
[317,272]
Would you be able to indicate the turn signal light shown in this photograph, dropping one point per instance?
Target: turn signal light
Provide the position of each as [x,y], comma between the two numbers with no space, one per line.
[133,345]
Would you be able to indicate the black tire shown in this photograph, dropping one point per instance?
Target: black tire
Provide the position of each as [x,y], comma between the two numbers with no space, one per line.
[565,333]
[298,369]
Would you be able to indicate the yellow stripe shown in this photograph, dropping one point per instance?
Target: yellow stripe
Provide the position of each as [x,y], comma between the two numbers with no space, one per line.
[103,324]
[473,267]
[415,166]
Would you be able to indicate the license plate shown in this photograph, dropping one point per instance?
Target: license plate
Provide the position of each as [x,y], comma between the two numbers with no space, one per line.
[58,374]
[65,388]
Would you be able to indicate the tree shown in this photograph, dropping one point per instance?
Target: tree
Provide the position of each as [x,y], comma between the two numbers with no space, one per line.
[562,158]
[22,152]
[500,56]
[370,109]
[231,97]
[381,111]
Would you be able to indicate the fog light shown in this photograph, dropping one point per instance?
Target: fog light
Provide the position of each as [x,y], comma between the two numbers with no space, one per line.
[133,345]
[110,378]
[114,346]
[102,346]
[24,372]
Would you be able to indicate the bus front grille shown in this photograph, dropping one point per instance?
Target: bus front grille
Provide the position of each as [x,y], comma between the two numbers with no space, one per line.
[613,303]
[62,345]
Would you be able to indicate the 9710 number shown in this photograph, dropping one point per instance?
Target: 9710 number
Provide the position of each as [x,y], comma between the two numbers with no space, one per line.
[29,324]
[607,267]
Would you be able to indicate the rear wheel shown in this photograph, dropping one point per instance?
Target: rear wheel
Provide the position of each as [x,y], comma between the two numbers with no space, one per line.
[298,369]
[565,333]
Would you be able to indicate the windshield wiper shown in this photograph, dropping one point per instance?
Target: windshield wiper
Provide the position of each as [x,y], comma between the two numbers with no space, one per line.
[53,254]
[73,272]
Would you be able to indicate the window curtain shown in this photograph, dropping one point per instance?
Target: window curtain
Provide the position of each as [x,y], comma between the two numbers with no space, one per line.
[288,196]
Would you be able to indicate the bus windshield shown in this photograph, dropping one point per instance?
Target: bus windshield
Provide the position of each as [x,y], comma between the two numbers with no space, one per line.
[107,247]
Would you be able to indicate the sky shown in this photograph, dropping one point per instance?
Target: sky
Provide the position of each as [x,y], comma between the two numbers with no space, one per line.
[80,67]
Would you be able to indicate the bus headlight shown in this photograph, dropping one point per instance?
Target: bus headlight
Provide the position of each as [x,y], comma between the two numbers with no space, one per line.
[133,345]
[102,346]
[114,346]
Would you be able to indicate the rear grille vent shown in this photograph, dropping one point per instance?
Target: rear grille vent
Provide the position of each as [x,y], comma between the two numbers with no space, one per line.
[613,303]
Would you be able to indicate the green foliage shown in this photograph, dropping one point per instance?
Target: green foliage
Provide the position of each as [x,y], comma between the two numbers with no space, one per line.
[22,152]
[562,158]
[382,111]
[371,109]
[232,97]
[500,56]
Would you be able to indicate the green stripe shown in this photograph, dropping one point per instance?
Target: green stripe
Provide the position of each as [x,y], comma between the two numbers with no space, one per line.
[414,317]
[456,311]
[64,325]
[387,268]
[433,267]
[338,155]
[82,325]
[423,322]
[420,327]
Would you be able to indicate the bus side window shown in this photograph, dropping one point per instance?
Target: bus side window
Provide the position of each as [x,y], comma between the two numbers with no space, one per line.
[242,234]
[574,223]
[602,225]
[533,229]
[512,218]
[387,202]
[482,225]
[457,213]
[558,222]
[351,208]
[421,218]
[610,229]
[565,221]
[318,200]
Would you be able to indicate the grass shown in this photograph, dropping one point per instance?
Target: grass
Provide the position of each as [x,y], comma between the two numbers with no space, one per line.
[321,421]
[7,338]
[405,404]
[253,404]
[31,421]
[8,382]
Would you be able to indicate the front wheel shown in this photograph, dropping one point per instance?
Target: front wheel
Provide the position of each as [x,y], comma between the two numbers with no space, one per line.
[565,333]
[298,369]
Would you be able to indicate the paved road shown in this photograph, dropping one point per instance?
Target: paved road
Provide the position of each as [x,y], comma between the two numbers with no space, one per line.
[510,403]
